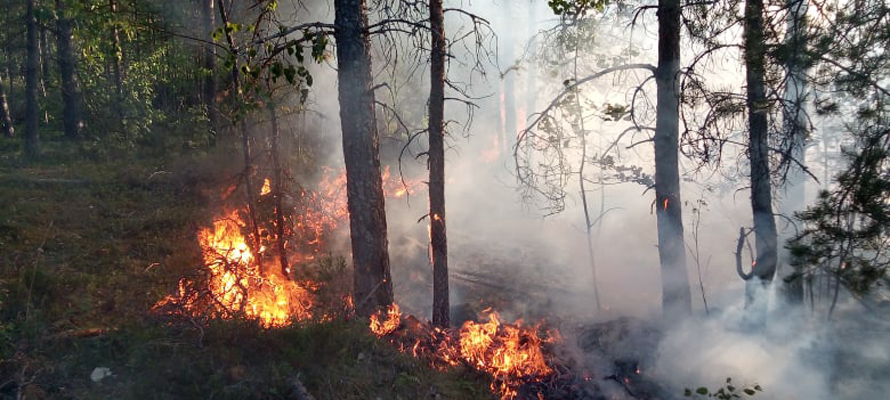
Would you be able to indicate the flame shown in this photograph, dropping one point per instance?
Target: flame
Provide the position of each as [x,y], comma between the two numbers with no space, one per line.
[392,322]
[236,283]
[506,351]
[512,354]
[666,202]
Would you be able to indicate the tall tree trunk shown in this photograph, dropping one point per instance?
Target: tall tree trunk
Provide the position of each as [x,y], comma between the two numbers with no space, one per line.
[5,117]
[116,61]
[278,192]
[238,99]
[676,295]
[364,189]
[761,189]
[32,70]
[209,20]
[438,239]
[44,60]
[794,120]
[70,95]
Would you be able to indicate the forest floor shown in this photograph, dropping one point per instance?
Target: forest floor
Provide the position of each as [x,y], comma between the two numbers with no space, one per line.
[88,248]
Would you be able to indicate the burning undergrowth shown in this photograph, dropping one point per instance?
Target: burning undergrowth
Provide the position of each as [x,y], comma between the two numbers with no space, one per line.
[243,276]
[518,358]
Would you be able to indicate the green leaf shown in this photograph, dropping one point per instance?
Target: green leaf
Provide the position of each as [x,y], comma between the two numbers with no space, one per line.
[702,390]
[687,392]
[749,392]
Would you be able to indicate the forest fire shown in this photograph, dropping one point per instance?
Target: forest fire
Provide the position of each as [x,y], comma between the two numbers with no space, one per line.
[237,284]
[512,354]
[240,279]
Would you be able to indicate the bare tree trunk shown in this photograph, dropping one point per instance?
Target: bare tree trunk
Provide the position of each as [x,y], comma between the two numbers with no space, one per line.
[44,60]
[116,60]
[438,242]
[32,70]
[367,213]
[765,237]
[794,119]
[676,294]
[70,95]
[209,20]
[278,192]
[588,221]
[5,117]
[237,98]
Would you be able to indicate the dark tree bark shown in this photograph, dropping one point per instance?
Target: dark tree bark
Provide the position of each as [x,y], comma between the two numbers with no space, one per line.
[758,152]
[70,95]
[676,295]
[278,192]
[438,238]
[5,117]
[209,21]
[32,70]
[116,62]
[365,201]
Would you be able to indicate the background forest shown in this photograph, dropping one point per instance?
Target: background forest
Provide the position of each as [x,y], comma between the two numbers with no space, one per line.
[247,199]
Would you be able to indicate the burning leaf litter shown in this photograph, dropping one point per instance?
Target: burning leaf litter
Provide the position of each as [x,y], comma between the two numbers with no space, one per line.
[238,282]
[512,354]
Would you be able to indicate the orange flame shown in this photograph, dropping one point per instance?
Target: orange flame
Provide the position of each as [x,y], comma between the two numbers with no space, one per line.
[390,324]
[511,353]
[237,284]
[506,351]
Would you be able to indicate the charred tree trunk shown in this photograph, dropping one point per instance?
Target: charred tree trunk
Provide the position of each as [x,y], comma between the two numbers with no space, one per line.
[70,95]
[367,213]
[32,69]
[438,239]
[761,189]
[209,21]
[5,117]
[794,120]
[676,295]
[278,192]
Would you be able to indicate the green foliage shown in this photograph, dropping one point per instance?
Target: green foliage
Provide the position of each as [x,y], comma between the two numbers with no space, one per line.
[726,392]
[576,8]
[847,232]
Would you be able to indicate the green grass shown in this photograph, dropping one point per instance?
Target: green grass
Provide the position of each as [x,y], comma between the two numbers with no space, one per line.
[93,246]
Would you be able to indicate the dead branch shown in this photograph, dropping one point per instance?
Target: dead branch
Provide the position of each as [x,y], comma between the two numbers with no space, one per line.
[738,255]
